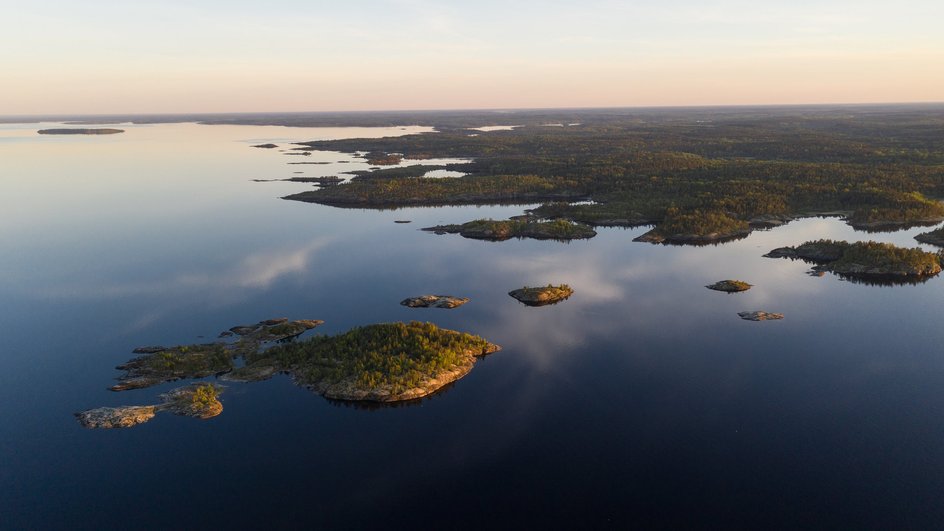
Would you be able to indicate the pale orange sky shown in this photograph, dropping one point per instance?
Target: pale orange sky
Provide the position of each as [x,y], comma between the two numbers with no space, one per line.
[112,57]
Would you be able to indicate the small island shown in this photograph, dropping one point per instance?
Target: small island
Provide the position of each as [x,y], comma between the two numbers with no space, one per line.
[80,131]
[696,227]
[501,230]
[434,301]
[870,260]
[543,296]
[934,237]
[730,286]
[197,400]
[266,146]
[760,316]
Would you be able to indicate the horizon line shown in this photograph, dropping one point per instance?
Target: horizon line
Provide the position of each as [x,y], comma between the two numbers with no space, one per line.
[484,109]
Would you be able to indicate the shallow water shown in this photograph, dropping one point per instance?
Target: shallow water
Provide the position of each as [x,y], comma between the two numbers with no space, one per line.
[643,399]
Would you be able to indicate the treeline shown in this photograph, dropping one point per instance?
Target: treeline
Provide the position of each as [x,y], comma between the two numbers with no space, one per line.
[885,166]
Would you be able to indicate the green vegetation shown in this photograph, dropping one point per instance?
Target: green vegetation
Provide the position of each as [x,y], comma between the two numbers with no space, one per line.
[488,229]
[379,362]
[698,175]
[865,259]
[159,364]
[204,396]
[934,237]
[412,191]
[416,170]
[542,296]
[384,362]
[730,286]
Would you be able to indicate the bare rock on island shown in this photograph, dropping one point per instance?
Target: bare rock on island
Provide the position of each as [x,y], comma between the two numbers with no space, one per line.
[542,296]
[434,301]
[730,286]
[760,316]
[196,400]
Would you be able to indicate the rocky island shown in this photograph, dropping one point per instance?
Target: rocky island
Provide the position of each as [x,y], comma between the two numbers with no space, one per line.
[377,363]
[435,301]
[543,296]
[80,131]
[730,286]
[198,401]
[492,230]
[166,364]
[865,260]
[760,316]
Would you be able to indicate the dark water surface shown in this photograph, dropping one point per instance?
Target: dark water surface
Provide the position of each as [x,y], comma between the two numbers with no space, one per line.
[642,400]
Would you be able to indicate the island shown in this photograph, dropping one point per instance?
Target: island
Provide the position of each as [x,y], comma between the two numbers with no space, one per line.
[434,301]
[492,230]
[384,363]
[934,237]
[542,296]
[80,131]
[197,400]
[730,286]
[380,363]
[760,316]
[166,364]
[266,146]
[871,261]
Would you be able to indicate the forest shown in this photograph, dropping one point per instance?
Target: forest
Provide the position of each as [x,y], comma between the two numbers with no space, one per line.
[687,171]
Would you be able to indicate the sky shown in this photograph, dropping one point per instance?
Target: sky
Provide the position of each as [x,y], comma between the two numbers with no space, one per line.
[172,56]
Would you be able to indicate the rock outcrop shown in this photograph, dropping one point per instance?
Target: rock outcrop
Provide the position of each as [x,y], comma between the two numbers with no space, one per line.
[730,286]
[196,400]
[760,316]
[542,296]
[435,301]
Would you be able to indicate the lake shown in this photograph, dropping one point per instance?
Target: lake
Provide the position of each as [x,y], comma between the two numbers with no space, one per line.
[642,400]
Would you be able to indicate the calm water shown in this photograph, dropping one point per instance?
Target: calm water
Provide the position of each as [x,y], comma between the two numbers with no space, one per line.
[642,400]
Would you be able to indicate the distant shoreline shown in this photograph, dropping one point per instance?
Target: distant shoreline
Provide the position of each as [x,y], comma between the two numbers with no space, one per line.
[80,131]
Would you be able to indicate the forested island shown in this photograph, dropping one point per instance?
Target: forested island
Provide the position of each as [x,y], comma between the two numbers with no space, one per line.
[698,177]
[80,131]
[865,260]
[388,362]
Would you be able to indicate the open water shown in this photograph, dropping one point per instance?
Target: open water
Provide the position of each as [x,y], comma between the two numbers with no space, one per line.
[642,401]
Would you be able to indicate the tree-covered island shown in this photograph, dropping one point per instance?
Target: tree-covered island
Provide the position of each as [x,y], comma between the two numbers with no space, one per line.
[384,363]
[865,260]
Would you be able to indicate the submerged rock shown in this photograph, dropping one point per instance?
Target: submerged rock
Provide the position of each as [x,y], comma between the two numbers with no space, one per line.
[759,316]
[435,301]
[730,286]
[542,296]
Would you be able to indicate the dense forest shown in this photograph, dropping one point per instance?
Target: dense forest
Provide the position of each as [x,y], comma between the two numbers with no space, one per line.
[695,172]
